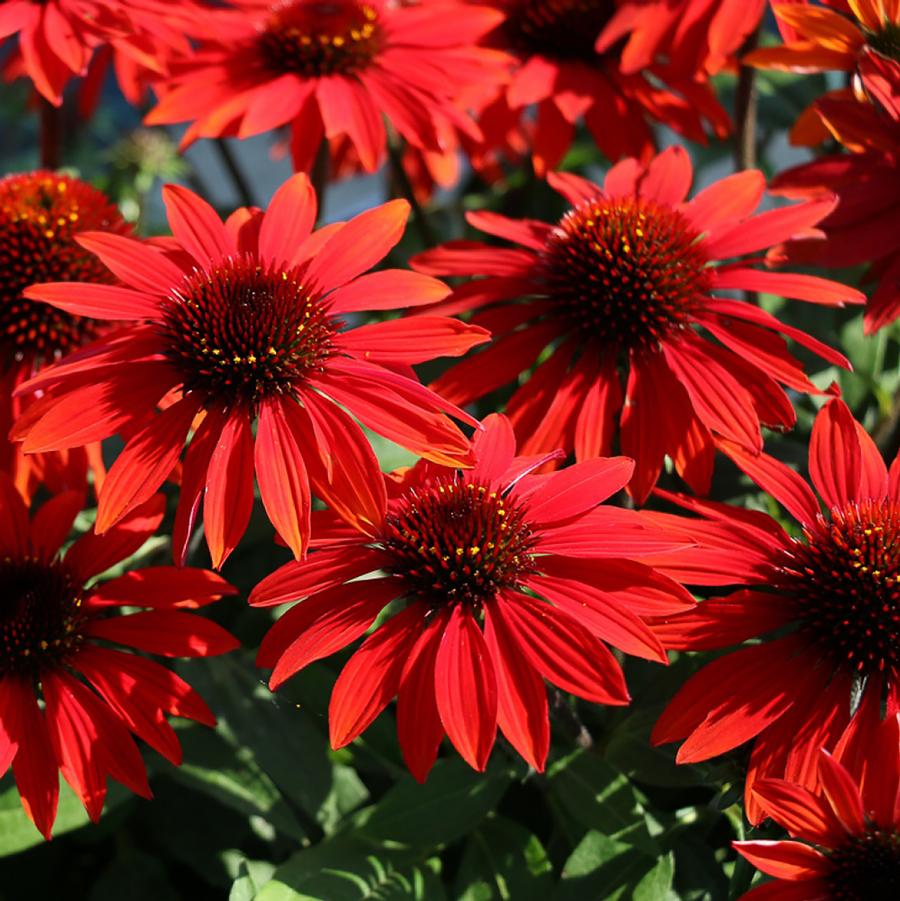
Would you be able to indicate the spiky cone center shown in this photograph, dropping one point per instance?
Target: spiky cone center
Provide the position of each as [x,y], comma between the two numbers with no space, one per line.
[40,615]
[455,542]
[886,40]
[866,867]
[333,37]
[844,580]
[40,214]
[244,332]
[558,29]
[626,272]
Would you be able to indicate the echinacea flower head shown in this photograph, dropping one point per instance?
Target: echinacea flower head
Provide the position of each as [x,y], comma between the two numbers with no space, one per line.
[58,628]
[497,579]
[332,70]
[865,226]
[59,40]
[847,833]
[40,215]
[628,285]
[570,75]
[692,36]
[824,605]
[833,37]
[240,323]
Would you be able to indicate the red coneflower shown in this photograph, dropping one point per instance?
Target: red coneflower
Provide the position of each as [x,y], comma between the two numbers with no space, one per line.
[692,36]
[865,227]
[626,280]
[331,70]
[57,40]
[507,579]
[562,72]
[825,606]
[40,215]
[55,636]
[241,323]
[849,830]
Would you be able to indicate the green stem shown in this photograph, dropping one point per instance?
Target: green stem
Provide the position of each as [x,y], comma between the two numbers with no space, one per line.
[405,187]
[234,171]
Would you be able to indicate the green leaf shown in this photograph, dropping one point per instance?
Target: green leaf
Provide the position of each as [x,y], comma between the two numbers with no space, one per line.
[601,867]
[452,803]
[593,794]
[17,832]
[232,776]
[504,861]
[282,739]
[350,869]
[252,875]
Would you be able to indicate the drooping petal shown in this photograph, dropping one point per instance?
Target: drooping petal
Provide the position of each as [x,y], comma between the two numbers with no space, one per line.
[465,687]
[161,587]
[108,302]
[134,262]
[388,289]
[371,677]
[419,728]
[522,710]
[229,487]
[329,621]
[148,458]
[563,651]
[843,794]
[281,475]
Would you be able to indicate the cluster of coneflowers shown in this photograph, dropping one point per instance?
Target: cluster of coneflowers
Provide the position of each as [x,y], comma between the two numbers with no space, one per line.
[230,359]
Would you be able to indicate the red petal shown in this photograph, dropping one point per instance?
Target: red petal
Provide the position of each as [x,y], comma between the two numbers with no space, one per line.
[107,302]
[330,621]
[229,487]
[465,688]
[288,221]
[778,479]
[495,448]
[521,697]
[281,475]
[36,772]
[360,244]
[802,813]
[789,284]
[834,456]
[668,177]
[162,587]
[342,466]
[563,651]
[196,226]
[320,571]
[371,676]
[89,741]
[389,289]
[53,522]
[720,401]
[169,633]
[419,728]
[415,340]
[93,554]
[134,262]
[766,229]
[147,460]
[601,615]
[732,198]
[785,860]
[193,480]
[600,405]
[123,694]
[842,793]
[578,488]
